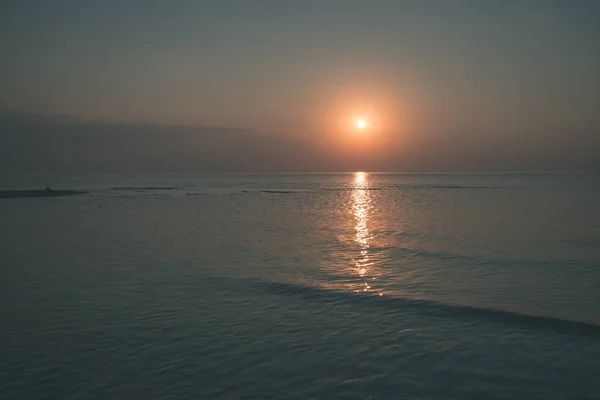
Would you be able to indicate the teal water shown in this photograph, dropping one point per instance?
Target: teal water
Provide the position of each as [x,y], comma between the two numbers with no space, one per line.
[344,286]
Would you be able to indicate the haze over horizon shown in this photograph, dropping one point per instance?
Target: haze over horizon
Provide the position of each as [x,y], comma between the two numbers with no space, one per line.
[277,86]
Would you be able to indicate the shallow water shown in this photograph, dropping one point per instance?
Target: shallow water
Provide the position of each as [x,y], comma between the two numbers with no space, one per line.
[349,286]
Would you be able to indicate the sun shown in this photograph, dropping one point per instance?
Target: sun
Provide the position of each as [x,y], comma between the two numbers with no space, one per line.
[361,123]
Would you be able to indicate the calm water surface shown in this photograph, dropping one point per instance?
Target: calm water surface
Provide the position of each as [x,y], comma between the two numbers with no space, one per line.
[347,286]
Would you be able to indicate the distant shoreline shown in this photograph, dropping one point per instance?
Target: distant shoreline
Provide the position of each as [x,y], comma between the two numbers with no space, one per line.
[18,194]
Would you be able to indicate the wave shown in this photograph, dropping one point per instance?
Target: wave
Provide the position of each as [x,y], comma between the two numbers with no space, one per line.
[145,188]
[303,189]
[277,191]
[273,191]
[429,308]
[351,189]
[419,187]
[447,187]
[583,243]
[445,256]
[16,194]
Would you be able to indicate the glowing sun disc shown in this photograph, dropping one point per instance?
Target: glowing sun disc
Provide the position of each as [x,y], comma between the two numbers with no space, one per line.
[361,124]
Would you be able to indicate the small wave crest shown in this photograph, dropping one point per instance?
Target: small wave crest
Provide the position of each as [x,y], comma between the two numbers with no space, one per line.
[428,307]
[410,187]
[145,188]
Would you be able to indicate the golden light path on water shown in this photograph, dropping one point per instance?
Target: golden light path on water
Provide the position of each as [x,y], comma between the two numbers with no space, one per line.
[361,208]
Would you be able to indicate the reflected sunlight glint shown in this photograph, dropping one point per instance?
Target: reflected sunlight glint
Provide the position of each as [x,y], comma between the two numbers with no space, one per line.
[361,206]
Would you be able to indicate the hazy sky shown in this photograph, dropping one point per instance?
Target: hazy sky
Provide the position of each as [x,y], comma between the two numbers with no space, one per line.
[481,76]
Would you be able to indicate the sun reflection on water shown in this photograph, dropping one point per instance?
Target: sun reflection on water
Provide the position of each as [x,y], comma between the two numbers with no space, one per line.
[361,208]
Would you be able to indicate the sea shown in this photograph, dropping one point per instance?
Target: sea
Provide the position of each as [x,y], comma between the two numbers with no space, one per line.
[295,286]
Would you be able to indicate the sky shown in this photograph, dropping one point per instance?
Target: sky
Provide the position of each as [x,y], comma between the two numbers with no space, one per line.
[277,85]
